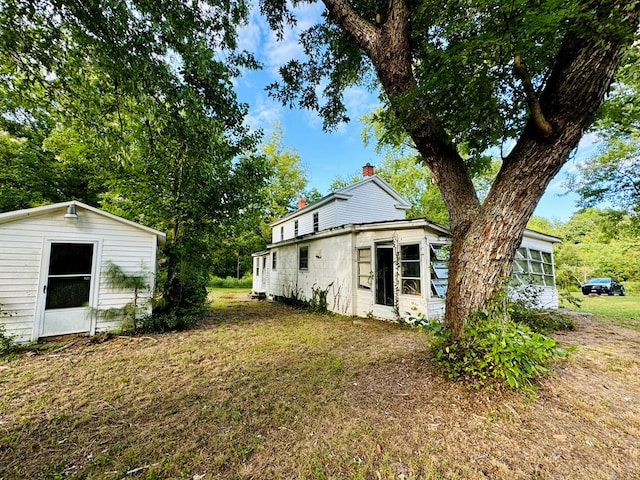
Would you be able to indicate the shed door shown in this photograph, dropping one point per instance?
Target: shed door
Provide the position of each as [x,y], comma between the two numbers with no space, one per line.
[68,289]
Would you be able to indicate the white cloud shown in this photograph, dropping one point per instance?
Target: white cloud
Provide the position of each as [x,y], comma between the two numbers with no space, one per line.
[359,101]
[263,113]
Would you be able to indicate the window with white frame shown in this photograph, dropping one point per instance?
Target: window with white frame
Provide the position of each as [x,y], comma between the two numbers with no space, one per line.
[281,233]
[316,222]
[439,262]
[303,258]
[533,266]
[410,269]
[273,260]
[364,268]
[295,228]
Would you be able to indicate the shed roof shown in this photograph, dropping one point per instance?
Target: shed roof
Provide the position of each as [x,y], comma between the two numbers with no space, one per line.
[36,211]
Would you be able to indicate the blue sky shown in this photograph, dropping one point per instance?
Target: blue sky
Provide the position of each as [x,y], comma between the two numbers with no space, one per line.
[327,155]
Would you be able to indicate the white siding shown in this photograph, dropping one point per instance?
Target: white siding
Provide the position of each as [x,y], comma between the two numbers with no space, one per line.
[364,202]
[22,242]
[333,258]
[548,295]
[368,203]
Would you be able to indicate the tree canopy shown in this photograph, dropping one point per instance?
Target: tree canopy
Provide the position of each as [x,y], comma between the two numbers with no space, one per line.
[130,106]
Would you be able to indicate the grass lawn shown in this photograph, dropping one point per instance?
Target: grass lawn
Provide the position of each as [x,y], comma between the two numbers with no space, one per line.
[260,390]
[627,307]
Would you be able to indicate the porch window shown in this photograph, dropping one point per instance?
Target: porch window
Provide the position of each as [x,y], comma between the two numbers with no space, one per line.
[439,261]
[410,269]
[273,260]
[303,258]
[316,222]
[364,268]
[533,266]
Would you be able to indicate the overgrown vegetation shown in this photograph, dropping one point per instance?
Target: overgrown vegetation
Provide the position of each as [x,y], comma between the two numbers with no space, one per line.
[504,345]
[231,282]
[8,345]
[129,313]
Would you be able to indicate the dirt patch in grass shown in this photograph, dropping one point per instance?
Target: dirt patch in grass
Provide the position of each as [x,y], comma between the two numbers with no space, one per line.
[261,390]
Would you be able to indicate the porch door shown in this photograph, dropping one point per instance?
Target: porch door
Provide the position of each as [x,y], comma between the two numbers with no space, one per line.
[384,288]
[68,288]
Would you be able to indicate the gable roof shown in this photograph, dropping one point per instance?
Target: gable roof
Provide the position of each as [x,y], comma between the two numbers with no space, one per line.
[346,193]
[36,211]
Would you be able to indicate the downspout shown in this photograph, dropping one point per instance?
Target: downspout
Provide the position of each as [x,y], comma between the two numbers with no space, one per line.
[354,274]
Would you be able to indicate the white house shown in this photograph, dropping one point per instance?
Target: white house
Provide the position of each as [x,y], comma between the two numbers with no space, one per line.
[356,247]
[52,260]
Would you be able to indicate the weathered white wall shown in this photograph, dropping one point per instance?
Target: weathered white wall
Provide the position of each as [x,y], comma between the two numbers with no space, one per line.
[22,242]
[330,263]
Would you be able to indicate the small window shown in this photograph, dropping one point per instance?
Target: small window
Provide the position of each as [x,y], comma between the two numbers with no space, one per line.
[364,268]
[273,260]
[303,258]
[316,222]
[295,228]
[281,233]
[410,269]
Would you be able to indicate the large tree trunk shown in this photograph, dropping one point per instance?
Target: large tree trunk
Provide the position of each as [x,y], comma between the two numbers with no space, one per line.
[485,236]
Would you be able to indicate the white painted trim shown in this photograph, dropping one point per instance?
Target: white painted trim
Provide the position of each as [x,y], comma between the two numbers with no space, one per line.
[32,212]
[96,272]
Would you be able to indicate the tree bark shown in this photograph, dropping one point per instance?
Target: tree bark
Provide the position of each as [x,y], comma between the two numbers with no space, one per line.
[485,237]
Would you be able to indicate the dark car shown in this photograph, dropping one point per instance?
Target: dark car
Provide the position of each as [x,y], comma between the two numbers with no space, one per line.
[603,285]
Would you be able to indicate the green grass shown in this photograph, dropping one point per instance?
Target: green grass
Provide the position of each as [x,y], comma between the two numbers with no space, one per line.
[620,307]
[262,390]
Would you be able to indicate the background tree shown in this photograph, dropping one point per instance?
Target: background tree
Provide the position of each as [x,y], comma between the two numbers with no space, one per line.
[131,104]
[474,76]
[286,181]
[613,176]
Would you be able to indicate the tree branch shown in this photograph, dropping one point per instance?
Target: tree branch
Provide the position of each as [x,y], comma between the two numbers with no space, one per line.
[388,46]
[544,127]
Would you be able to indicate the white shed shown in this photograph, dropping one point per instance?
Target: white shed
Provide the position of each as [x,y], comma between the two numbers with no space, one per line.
[52,262]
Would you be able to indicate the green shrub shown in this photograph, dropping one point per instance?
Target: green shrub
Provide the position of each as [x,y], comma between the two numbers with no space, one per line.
[492,351]
[170,321]
[230,282]
[8,345]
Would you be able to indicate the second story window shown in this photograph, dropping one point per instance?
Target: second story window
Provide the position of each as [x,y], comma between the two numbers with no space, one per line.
[295,228]
[281,233]
[316,222]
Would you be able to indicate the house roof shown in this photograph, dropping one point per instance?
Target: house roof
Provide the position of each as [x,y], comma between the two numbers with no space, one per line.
[36,211]
[346,193]
[440,229]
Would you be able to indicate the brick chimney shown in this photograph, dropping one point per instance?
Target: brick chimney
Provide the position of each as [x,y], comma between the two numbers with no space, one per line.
[301,203]
[367,170]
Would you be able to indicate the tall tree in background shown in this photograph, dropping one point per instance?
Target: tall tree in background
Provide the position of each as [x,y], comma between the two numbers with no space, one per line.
[613,176]
[470,76]
[134,102]
[286,182]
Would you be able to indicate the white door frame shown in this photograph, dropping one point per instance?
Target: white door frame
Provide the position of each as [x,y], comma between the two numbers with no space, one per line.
[39,324]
